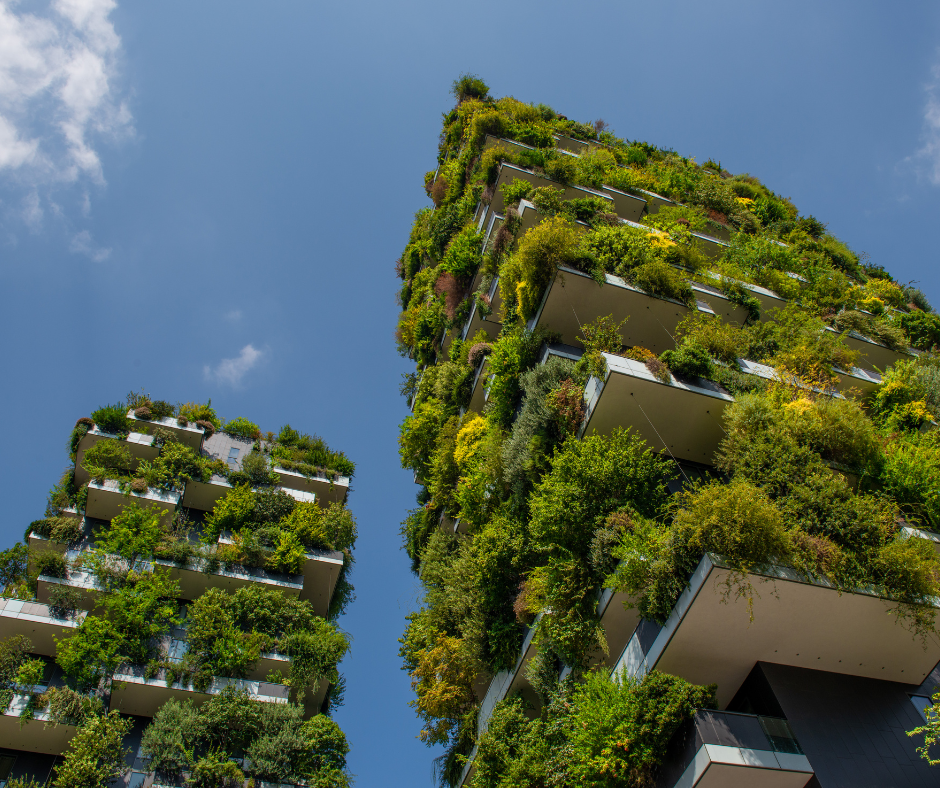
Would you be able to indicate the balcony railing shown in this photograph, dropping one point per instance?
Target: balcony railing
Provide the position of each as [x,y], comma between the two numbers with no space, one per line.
[726,748]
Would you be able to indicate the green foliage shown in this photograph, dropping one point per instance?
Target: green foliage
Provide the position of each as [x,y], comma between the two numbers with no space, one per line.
[64,530]
[112,419]
[525,275]
[909,475]
[930,731]
[108,459]
[469,86]
[95,755]
[131,535]
[618,731]
[242,428]
[689,360]
[276,741]
[588,480]
[195,411]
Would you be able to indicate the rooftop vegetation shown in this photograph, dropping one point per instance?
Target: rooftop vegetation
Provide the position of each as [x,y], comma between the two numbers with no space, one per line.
[815,480]
[120,571]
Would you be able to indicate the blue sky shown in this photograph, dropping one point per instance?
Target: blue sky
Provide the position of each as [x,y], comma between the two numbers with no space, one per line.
[207,200]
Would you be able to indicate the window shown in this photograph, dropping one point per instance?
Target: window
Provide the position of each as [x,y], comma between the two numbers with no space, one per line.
[921,703]
[233,456]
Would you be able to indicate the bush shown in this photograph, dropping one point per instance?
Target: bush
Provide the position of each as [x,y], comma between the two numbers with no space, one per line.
[49,564]
[469,86]
[526,274]
[923,329]
[242,428]
[65,530]
[112,419]
[690,360]
[108,459]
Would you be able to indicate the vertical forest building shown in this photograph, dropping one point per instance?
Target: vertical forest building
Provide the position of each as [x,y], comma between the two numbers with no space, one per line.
[171,620]
[678,468]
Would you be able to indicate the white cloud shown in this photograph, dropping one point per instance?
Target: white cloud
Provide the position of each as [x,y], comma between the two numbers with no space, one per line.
[926,160]
[83,244]
[232,370]
[58,93]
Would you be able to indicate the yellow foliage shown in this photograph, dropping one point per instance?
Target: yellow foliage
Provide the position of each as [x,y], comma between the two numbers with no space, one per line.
[468,439]
[443,683]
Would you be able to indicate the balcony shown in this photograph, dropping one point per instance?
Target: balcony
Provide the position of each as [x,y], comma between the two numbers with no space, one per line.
[501,686]
[479,391]
[133,693]
[36,621]
[191,435]
[327,489]
[106,500]
[573,298]
[139,445]
[874,355]
[710,637]
[722,749]
[510,172]
[684,419]
[204,495]
[35,735]
[709,245]
[477,322]
[315,584]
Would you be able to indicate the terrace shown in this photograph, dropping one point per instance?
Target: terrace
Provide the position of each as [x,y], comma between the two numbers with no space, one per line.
[710,635]
[188,434]
[38,621]
[107,499]
[722,749]
[133,693]
[139,445]
[574,298]
[682,418]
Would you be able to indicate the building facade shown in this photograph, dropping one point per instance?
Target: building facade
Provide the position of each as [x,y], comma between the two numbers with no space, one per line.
[172,617]
[678,462]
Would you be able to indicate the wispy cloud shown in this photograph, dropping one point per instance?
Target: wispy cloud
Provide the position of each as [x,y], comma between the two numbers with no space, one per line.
[60,97]
[82,243]
[233,370]
[926,161]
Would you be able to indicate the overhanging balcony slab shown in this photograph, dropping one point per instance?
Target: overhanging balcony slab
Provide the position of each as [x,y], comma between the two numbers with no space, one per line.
[681,419]
[510,172]
[133,693]
[720,749]
[478,395]
[195,578]
[39,734]
[573,299]
[139,446]
[327,489]
[36,621]
[204,495]
[719,303]
[628,206]
[619,623]
[710,636]
[190,434]
[320,575]
[709,245]
[874,355]
[81,581]
[106,500]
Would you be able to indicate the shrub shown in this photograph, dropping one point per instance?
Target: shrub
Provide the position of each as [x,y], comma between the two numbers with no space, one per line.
[112,419]
[96,754]
[108,459]
[923,329]
[50,564]
[689,360]
[609,712]
[242,428]
[208,426]
[58,529]
[526,274]
[469,86]
[196,412]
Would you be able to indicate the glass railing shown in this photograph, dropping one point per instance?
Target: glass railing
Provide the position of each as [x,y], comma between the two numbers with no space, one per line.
[747,731]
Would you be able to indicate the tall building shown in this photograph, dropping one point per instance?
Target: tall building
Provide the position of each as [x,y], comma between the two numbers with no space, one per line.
[678,468]
[171,620]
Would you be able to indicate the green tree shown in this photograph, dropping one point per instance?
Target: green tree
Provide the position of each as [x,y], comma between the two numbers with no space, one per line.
[96,754]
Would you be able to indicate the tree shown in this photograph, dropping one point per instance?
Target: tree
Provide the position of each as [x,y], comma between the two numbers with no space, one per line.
[96,755]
